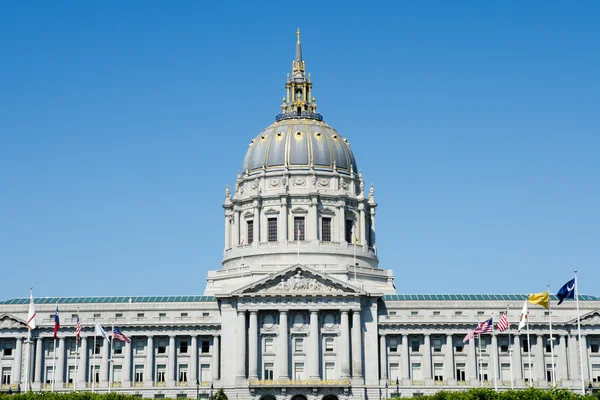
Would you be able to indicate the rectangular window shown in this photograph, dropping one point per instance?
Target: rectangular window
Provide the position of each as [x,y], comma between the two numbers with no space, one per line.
[49,374]
[438,372]
[268,372]
[204,372]
[96,315]
[72,347]
[393,345]
[206,314]
[49,348]
[205,347]
[548,347]
[414,313]
[460,372]
[505,372]
[183,315]
[594,346]
[268,345]
[329,344]
[250,231]
[140,315]
[6,374]
[479,313]
[549,372]
[457,313]
[183,347]
[326,229]
[139,347]
[95,374]
[436,313]
[183,372]
[299,228]
[459,348]
[119,315]
[415,345]
[348,231]
[298,345]
[394,372]
[416,372]
[483,345]
[117,347]
[117,374]
[162,347]
[483,373]
[525,345]
[527,371]
[503,345]
[299,371]
[71,375]
[98,348]
[437,345]
[139,373]
[161,370]
[272,229]
[329,370]
[596,373]
[162,315]
[8,351]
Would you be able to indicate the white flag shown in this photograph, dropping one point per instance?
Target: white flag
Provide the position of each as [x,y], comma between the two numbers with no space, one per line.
[31,316]
[100,331]
[523,319]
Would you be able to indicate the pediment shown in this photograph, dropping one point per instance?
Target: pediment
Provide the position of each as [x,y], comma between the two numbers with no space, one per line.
[271,211]
[8,321]
[299,280]
[591,318]
[299,210]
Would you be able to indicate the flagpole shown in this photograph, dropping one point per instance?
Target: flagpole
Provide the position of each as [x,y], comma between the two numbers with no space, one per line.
[28,364]
[510,347]
[354,245]
[54,365]
[479,361]
[579,335]
[110,360]
[529,350]
[551,338]
[76,353]
[495,361]
[94,364]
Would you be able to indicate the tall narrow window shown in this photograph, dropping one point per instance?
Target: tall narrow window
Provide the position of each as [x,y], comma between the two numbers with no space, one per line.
[438,372]
[461,374]
[204,372]
[161,370]
[596,373]
[116,374]
[250,231]
[299,370]
[326,229]
[6,374]
[139,373]
[349,231]
[268,371]
[272,229]
[298,228]
[393,345]
[183,373]
[330,370]
[416,372]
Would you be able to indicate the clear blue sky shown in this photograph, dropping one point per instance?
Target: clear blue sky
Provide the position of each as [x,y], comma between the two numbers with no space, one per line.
[122,122]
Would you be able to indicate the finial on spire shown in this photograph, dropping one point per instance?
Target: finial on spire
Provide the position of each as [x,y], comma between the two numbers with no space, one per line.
[298,34]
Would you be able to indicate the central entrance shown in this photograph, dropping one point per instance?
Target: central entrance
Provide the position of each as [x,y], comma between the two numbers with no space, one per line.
[299,397]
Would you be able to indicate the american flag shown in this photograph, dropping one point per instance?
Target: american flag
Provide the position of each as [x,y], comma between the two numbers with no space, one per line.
[502,324]
[470,335]
[119,336]
[78,329]
[485,327]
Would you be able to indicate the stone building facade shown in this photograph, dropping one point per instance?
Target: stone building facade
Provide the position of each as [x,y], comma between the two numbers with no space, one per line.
[300,308]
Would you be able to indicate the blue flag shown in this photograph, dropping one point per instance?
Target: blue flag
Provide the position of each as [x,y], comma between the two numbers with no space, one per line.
[567,291]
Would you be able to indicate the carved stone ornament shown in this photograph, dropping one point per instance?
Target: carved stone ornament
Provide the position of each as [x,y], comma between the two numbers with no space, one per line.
[274,182]
[323,182]
[299,181]
[343,184]
[299,283]
[7,322]
[255,184]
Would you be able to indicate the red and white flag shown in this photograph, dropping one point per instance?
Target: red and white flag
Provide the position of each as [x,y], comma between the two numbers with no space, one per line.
[78,329]
[31,316]
[502,324]
[470,335]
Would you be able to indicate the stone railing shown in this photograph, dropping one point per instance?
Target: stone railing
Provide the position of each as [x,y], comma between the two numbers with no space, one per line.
[300,382]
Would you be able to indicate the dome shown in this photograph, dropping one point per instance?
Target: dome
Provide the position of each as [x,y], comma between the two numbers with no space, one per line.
[299,144]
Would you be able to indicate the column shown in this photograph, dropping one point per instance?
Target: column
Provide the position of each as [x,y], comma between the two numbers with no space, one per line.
[227,231]
[18,362]
[561,364]
[256,224]
[404,361]
[383,358]
[472,363]
[216,356]
[585,358]
[426,357]
[574,358]
[283,228]
[539,373]
[495,367]
[449,359]
[341,223]
[253,346]
[171,362]
[314,357]
[194,361]
[283,348]
[104,363]
[345,344]
[149,368]
[356,345]
[373,234]
[82,363]
[311,225]
[362,226]
[517,361]
[39,352]
[60,363]
[241,336]
[127,365]
[236,228]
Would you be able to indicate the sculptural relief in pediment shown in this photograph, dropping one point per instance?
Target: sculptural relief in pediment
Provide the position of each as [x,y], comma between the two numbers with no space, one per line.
[9,322]
[300,282]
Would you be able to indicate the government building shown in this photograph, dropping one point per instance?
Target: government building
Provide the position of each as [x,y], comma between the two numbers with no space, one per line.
[300,308]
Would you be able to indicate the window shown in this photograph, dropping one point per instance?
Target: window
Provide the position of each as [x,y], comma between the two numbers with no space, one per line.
[504,345]
[139,373]
[348,231]
[479,313]
[117,374]
[205,349]
[205,314]
[49,374]
[415,345]
[438,372]
[414,313]
[49,348]
[416,372]
[72,347]
[527,371]
[97,315]
[483,346]
[483,373]
[119,315]
[160,372]
[326,229]
[460,348]
[74,316]
[393,345]
[505,372]
[548,347]
[250,231]
[329,344]
[460,372]
[392,313]
[268,373]
[549,372]
[435,313]
[162,347]
[299,370]
[117,347]
[184,315]
[139,347]
[140,315]
[596,373]
[299,228]
[8,351]
[329,370]
[183,372]
[437,345]
[204,372]
[394,371]
[183,346]
[525,345]
[457,313]
[272,229]
[268,345]
[71,375]
[298,345]
[97,349]
[95,374]
[594,346]
[6,373]
[162,315]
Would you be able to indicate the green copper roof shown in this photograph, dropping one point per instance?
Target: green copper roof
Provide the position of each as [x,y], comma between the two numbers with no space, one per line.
[479,297]
[112,299]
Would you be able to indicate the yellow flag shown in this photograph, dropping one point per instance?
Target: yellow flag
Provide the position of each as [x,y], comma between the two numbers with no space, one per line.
[541,299]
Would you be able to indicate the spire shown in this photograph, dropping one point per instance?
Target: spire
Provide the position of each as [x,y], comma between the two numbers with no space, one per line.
[298,101]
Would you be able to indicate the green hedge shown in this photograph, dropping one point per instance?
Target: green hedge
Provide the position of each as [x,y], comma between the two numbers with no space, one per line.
[528,394]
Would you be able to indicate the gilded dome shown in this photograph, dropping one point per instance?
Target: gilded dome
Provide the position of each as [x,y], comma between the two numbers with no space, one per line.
[299,144]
